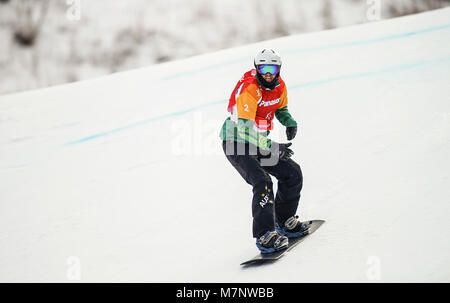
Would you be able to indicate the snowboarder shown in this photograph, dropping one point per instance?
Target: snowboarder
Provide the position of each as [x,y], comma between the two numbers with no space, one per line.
[259,96]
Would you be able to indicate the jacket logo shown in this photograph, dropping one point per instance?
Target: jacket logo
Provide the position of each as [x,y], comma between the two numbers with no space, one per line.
[269,103]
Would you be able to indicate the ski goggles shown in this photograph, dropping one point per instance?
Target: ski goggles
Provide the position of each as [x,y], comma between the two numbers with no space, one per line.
[268,68]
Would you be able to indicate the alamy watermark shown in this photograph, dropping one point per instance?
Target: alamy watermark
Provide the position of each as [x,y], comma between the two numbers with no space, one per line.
[373,12]
[200,137]
[73,12]
[373,272]
[196,136]
[73,269]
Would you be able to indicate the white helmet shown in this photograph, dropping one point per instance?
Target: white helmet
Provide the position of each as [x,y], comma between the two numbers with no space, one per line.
[267,56]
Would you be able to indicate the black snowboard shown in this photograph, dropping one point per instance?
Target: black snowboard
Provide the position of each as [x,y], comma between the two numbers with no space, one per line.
[262,258]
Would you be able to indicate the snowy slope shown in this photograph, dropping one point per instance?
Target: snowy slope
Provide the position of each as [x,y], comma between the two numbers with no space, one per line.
[126,175]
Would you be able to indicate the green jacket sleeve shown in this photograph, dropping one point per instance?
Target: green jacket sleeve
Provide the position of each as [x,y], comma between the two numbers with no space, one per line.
[246,133]
[285,118]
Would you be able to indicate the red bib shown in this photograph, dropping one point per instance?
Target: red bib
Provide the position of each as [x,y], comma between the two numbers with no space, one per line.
[268,101]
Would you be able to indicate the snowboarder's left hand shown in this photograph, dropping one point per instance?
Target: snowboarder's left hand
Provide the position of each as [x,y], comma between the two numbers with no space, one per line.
[291,132]
[284,151]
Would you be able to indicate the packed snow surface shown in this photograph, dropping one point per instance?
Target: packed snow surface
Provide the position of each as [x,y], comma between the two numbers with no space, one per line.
[122,178]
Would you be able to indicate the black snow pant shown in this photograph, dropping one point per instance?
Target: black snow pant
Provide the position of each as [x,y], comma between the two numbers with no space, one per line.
[266,209]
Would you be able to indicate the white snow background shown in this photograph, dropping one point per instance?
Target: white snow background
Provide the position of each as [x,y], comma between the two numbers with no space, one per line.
[124,178]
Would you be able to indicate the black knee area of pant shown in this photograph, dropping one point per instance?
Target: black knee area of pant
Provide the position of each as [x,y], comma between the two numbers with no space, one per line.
[295,177]
[265,185]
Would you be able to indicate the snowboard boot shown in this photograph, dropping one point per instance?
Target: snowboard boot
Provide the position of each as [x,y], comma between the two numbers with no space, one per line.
[293,228]
[271,241]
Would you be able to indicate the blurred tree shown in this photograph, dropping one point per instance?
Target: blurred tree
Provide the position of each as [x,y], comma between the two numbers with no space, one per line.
[29,17]
[280,29]
[403,8]
[327,14]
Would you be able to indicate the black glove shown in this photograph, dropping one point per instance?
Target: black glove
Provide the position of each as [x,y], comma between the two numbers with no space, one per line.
[277,150]
[284,152]
[291,131]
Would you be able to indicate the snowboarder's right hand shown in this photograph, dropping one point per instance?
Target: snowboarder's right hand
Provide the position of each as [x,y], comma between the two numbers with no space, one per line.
[291,132]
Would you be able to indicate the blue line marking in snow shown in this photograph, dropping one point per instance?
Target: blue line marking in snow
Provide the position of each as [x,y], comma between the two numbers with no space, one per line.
[139,123]
[206,68]
[370,41]
[306,84]
[391,69]
[317,48]
[313,83]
